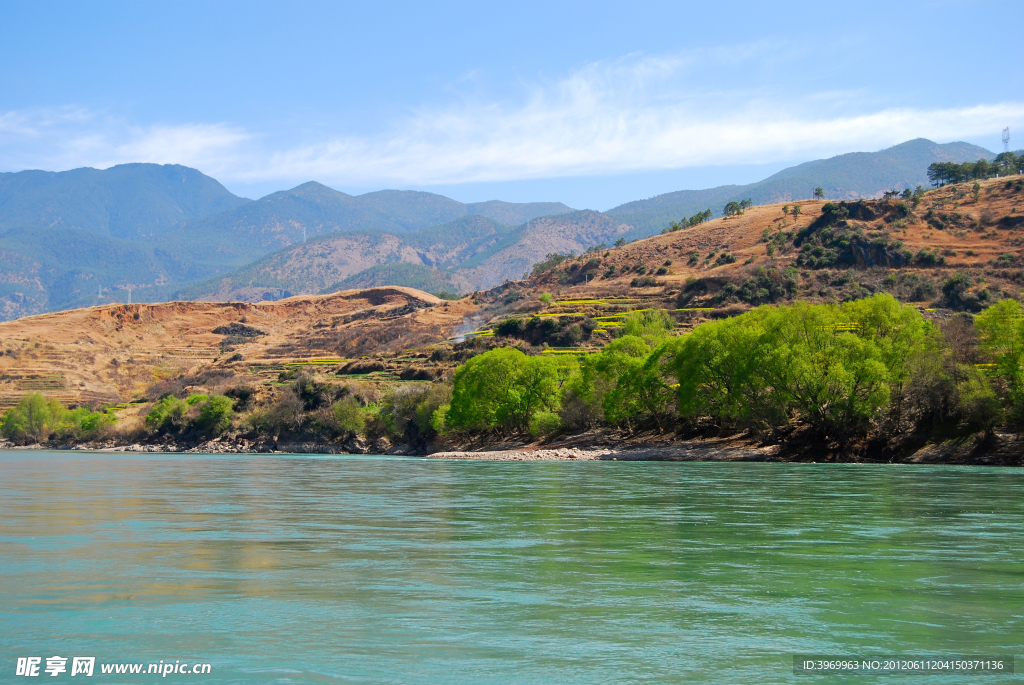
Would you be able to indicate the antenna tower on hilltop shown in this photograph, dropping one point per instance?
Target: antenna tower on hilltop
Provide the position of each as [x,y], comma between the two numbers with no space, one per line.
[1006,139]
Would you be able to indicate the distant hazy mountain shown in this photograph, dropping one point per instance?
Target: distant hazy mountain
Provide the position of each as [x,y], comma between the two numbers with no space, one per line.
[849,176]
[515,213]
[216,244]
[321,262]
[62,236]
[133,201]
[406,275]
[517,252]
[470,253]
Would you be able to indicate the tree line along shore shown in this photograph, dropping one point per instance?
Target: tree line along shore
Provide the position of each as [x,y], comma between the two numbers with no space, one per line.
[863,379]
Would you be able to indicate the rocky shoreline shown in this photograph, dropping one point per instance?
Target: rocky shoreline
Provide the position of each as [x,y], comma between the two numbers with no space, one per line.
[999,449]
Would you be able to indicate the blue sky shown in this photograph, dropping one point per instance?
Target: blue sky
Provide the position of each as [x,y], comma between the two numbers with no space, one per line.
[592,104]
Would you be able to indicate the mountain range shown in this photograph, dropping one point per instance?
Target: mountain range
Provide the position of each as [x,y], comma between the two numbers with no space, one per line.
[87,236]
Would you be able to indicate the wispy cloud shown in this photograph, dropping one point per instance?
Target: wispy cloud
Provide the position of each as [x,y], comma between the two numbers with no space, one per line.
[69,137]
[633,114]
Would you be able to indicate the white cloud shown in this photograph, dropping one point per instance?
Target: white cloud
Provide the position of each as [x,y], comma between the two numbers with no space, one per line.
[67,138]
[634,114]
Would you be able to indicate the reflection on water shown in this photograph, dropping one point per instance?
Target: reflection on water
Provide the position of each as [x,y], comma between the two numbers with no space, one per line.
[387,570]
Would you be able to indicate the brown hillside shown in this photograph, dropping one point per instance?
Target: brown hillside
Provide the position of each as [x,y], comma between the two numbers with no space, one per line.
[983,238]
[574,232]
[111,353]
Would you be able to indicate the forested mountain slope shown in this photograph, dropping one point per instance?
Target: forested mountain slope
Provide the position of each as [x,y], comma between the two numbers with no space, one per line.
[46,269]
[133,201]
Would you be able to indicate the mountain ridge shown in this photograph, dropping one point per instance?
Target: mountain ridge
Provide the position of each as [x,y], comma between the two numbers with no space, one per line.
[900,166]
[200,240]
[131,201]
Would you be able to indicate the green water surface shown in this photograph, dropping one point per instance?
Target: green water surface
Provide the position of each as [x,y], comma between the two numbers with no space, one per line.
[309,569]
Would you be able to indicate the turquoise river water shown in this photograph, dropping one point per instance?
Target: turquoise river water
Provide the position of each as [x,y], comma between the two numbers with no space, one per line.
[313,569]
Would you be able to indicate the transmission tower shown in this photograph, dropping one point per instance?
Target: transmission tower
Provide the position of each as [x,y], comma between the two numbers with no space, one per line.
[1006,139]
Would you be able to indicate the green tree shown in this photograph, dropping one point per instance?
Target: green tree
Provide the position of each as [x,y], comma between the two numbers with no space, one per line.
[33,419]
[833,367]
[732,208]
[717,367]
[609,371]
[819,193]
[348,417]
[215,415]
[549,262]
[502,389]
[833,379]
[652,325]
[167,413]
[700,217]
[1001,337]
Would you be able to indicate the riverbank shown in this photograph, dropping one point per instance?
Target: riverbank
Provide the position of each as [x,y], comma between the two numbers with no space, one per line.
[998,449]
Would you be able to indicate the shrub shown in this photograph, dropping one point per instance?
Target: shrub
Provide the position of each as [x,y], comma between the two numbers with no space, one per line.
[546,298]
[407,411]
[37,419]
[168,413]
[242,395]
[348,418]
[33,419]
[926,257]
[545,423]
[979,405]
[643,282]
[548,263]
[651,325]
[439,419]
[513,326]
[215,415]
[285,414]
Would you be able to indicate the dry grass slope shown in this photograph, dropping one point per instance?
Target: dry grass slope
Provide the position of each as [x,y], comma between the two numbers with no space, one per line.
[111,353]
